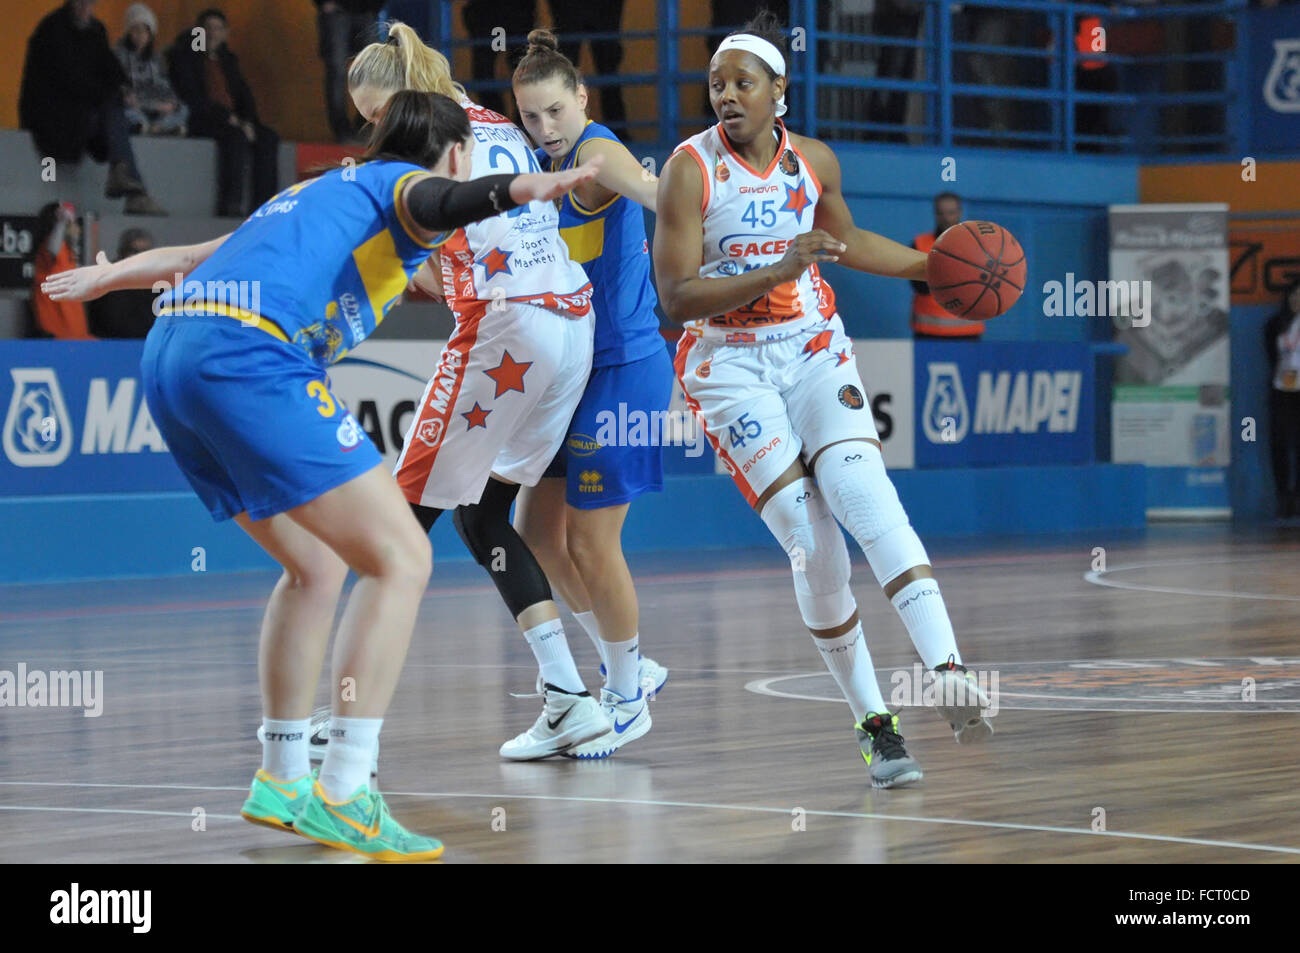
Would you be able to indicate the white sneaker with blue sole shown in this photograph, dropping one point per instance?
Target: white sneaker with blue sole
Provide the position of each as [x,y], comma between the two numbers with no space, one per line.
[629,719]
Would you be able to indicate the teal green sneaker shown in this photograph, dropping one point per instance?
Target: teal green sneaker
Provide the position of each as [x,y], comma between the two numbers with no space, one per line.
[275,803]
[363,825]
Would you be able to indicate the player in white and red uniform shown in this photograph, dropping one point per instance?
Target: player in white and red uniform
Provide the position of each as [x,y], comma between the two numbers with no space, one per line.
[747,210]
[498,407]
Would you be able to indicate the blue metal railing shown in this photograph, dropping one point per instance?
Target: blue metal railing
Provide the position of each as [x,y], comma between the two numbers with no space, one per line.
[940,86]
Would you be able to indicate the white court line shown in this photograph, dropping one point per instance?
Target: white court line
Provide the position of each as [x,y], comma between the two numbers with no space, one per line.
[114,810]
[763,686]
[1097,578]
[706,806]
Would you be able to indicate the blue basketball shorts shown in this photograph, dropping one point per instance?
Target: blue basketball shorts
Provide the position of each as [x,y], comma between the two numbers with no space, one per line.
[613,451]
[249,419]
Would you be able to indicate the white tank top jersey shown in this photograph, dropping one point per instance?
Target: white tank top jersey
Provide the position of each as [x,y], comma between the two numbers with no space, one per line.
[750,219]
[518,255]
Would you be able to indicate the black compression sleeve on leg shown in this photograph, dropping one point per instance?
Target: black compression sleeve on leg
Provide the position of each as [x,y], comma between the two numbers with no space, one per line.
[427,515]
[485,528]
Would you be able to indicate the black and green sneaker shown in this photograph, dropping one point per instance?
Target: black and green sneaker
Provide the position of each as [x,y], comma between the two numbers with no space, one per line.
[887,760]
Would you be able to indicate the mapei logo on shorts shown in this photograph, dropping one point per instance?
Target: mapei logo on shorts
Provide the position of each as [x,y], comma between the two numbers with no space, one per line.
[430,432]
[580,445]
[851,397]
[349,434]
[1282,85]
[38,430]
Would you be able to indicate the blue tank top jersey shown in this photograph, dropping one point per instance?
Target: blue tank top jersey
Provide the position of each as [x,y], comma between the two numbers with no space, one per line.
[610,244]
[323,261]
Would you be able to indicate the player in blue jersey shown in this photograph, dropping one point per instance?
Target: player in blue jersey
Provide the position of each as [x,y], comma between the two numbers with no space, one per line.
[573,519]
[234,371]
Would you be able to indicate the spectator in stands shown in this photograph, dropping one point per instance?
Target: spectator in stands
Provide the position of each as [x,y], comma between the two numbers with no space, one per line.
[206,74]
[152,106]
[1282,340]
[125,314]
[929,320]
[58,235]
[71,100]
[1092,74]
[584,16]
[344,27]
[481,17]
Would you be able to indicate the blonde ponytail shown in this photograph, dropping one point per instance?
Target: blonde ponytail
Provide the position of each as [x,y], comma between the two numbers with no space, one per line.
[404,62]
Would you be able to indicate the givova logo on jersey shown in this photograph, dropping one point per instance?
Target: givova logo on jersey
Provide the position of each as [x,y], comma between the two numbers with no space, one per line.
[38,429]
[1026,401]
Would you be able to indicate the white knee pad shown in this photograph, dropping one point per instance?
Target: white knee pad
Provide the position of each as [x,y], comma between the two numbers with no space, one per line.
[862,497]
[806,529]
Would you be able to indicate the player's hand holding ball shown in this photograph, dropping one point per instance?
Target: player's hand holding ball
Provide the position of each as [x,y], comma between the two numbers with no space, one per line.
[976,270]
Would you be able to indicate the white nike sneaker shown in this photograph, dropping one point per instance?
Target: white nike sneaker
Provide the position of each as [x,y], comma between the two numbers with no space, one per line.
[319,739]
[652,676]
[629,720]
[566,720]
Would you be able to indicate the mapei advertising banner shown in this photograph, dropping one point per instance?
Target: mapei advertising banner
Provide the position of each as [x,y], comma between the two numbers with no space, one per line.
[76,421]
[987,403]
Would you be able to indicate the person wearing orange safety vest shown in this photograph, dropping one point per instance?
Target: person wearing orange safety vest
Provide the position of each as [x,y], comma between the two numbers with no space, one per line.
[929,320]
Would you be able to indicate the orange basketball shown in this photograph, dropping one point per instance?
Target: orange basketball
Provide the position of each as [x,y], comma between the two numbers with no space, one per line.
[976,270]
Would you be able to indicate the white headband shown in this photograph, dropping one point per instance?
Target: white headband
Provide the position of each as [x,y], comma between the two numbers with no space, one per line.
[761,48]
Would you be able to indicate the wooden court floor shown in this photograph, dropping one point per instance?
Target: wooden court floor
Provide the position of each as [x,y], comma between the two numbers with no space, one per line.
[1147,712]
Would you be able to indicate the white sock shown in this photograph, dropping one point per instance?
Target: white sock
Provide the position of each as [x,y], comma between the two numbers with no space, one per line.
[284,750]
[347,759]
[551,649]
[850,662]
[921,608]
[589,625]
[623,666]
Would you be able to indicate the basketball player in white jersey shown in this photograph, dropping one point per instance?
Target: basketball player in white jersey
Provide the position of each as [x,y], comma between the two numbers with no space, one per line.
[498,407]
[747,210]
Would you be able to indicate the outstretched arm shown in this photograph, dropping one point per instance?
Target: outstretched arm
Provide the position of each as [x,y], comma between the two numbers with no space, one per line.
[438,204]
[621,173]
[139,271]
[866,251]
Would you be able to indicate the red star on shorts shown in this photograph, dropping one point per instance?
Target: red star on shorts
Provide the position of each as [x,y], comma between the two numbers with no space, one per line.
[796,200]
[508,375]
[477,417]
[821,341]
[843,358]
[496,262]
